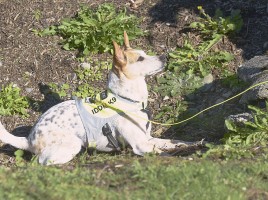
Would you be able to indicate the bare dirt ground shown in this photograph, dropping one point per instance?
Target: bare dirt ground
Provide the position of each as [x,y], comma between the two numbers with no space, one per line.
[30,61]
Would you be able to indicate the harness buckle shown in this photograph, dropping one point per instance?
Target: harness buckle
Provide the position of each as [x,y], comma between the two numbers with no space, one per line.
[106,130]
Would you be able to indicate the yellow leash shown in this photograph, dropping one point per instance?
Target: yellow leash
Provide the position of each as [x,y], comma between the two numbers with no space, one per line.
[176,123]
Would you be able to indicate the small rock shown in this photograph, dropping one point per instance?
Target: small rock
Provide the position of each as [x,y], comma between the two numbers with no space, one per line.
[73,77]
[118,166]
[240,118]
[1,64]
[28,90]
[168,24]
[208,82]
[166,98]
[250,70]
[208,79]
[259,92]
[255,71]
[85,65]
[28,74]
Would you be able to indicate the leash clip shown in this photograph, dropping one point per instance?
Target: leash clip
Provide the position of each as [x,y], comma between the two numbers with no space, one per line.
[106,130]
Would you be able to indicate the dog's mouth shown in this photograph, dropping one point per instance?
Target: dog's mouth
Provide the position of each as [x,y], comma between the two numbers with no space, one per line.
[156,71]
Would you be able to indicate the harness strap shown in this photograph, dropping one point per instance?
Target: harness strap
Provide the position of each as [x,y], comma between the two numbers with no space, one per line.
[82,112]
[149,114]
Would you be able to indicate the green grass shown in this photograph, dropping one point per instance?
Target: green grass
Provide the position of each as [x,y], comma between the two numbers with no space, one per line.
[137,178]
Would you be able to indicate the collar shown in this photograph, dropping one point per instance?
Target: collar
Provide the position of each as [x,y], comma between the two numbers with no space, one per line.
[141,104]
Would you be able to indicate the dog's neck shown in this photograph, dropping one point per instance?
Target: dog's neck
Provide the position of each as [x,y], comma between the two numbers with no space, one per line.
[135,90]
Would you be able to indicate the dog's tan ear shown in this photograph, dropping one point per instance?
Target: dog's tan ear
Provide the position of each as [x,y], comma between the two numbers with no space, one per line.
[126,41]
[119,57]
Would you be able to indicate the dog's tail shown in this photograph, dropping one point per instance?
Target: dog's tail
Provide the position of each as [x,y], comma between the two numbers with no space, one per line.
[18,142]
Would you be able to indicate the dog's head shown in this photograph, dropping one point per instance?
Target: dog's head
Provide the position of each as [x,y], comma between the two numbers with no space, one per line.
[131,63]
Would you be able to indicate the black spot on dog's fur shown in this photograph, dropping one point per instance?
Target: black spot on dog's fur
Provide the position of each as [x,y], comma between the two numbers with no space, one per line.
[50,119]
[39,132]
[75,114]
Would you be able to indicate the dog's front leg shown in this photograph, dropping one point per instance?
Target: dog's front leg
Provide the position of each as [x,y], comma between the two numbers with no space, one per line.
[136,137]
[166,144]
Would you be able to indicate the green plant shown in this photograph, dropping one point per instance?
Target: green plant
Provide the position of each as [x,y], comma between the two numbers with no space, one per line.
[11,101]
[86,76]
[93,30]
[19,157]
[198,60]
[177,86]
[218,25]
[186,69]
[201,59]
[253,133]
[37,14]
[85,90]
[245,139]
[60,90]
[94,72]
[189,64]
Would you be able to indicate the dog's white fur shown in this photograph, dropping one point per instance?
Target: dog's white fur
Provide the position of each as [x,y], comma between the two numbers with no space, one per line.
[59,133]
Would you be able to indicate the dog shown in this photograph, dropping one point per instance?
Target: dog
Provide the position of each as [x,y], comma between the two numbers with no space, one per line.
[61,132]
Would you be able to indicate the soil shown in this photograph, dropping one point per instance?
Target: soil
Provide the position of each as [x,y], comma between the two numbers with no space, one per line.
[31,62]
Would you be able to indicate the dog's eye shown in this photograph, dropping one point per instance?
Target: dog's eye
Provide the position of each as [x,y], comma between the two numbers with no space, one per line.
[140,58]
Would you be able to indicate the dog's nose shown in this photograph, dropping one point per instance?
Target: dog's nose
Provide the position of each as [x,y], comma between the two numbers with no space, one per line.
[163,58]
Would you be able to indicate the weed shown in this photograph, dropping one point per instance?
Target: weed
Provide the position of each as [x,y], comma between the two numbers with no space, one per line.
[170,112]
[85,90]
[85,78]
[186,68]
[93,30]
[87,75]
[19,157]
[176,87]
[242,139]
[11,102]
[197,60]
[218,25]
[94,73]
[200,59]
[189,64]
[60,90]
[37,14]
